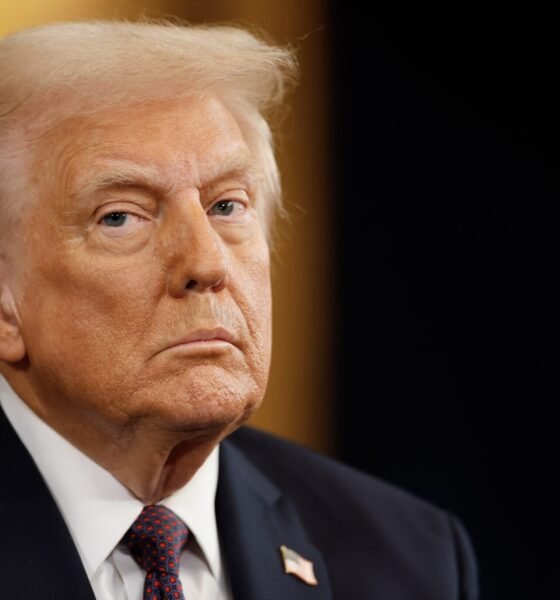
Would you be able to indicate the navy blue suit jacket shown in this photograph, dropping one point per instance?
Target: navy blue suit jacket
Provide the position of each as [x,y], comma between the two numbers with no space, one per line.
[366,539]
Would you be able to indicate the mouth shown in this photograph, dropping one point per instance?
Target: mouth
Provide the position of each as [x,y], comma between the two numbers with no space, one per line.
[204,340]
[219,334]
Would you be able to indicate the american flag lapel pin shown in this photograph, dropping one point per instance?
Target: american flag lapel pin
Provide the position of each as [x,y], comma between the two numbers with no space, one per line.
[294,564]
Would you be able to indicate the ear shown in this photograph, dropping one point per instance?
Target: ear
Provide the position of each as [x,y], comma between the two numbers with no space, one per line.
[12,348]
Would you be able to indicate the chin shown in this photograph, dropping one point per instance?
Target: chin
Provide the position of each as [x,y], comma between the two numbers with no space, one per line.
[204,403]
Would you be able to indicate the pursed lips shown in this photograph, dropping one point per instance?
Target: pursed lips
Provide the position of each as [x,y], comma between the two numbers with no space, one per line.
[217,334]
[205,335]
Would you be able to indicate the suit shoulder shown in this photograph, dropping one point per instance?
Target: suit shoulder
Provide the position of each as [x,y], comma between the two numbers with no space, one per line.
[400,540]
[327,481]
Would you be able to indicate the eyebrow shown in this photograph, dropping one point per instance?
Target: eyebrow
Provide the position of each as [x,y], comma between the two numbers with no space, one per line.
[119,174]
[236,163]
[124,173]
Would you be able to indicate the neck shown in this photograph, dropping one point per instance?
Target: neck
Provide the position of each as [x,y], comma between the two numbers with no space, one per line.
[151,462]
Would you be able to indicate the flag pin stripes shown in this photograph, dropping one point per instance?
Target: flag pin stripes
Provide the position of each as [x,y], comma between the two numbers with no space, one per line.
[294,564]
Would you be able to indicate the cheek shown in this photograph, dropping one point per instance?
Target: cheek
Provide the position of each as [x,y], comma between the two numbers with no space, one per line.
[256,305]
[83,332]
[82,309]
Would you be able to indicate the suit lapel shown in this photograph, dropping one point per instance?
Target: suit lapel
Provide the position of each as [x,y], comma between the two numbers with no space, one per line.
[38,558]
[254,520]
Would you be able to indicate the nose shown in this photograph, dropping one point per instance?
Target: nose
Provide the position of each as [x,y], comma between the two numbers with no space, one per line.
[199,262]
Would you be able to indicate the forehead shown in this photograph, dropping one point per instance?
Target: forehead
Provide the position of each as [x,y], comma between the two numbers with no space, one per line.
[186,141]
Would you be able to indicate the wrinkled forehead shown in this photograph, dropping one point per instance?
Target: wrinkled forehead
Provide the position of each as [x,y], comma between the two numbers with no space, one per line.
[173,137]
[167,142]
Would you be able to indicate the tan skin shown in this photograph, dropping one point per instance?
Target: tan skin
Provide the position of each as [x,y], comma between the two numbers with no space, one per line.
[141,241]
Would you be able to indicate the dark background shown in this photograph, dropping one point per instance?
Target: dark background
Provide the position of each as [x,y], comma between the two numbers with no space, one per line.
[447,135]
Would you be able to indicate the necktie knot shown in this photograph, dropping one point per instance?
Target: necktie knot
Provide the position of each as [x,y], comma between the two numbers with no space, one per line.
[156,539]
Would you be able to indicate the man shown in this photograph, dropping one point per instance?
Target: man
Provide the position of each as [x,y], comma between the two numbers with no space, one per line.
[138,184]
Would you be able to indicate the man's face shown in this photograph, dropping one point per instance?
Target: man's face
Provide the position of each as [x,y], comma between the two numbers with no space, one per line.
[142,280]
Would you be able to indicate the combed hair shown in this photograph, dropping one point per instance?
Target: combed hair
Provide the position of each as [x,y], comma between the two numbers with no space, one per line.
[52,72]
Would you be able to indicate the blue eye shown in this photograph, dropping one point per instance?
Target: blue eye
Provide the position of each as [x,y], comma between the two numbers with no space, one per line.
[224,207]
[115,219]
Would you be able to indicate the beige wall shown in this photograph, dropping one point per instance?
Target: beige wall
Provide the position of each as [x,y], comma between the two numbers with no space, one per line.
[298,402]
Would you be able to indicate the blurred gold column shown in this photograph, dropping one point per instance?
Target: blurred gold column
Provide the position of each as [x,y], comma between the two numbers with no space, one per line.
[300,394]
[17,14]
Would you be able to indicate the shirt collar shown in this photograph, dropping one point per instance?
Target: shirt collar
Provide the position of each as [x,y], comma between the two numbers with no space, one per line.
[97,508]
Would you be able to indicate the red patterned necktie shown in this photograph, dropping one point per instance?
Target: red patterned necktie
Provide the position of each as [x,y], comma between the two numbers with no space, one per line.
[156,540]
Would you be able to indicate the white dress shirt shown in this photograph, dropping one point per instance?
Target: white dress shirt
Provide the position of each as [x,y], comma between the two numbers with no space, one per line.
[98,510]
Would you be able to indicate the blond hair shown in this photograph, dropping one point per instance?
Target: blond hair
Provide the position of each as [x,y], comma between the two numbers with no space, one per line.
[49,73]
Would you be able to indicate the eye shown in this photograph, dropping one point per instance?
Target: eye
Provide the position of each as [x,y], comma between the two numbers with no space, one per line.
[121,223]
[115,219]
[230,211]
[224,208]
